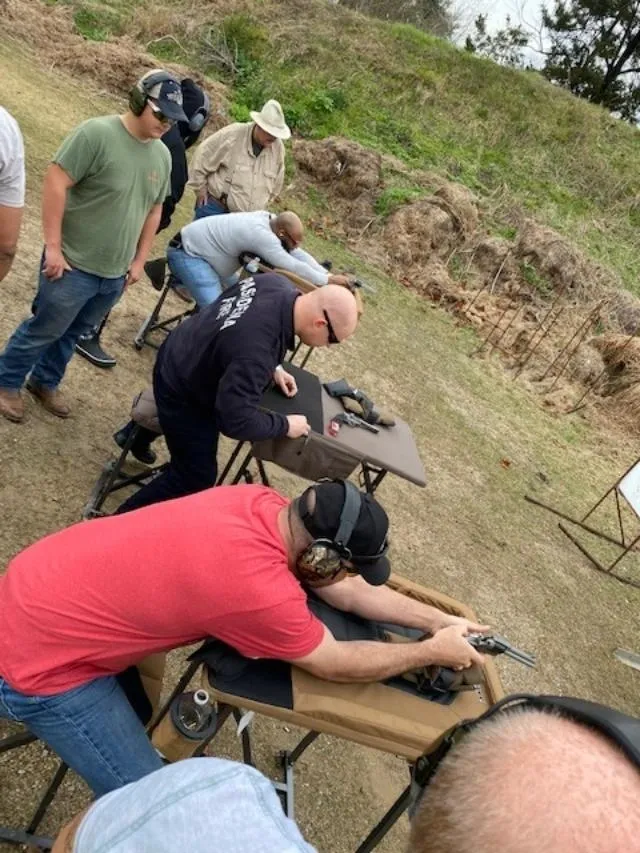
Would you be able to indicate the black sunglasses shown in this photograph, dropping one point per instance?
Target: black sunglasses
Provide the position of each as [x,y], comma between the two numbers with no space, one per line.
[620,728]
[333,338]
[158,114]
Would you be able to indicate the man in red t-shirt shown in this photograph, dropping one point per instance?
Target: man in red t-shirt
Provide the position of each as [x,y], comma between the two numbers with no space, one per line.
[82,605]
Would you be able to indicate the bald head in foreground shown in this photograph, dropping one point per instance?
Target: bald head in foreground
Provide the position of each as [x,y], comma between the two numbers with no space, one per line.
[529,781]
[213,370]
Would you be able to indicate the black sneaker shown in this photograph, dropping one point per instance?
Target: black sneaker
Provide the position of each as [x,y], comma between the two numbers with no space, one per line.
[90,349]
[142,452]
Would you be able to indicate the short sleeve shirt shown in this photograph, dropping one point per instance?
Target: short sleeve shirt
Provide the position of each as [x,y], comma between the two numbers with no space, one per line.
[118,179]
[12,176]
[99,596]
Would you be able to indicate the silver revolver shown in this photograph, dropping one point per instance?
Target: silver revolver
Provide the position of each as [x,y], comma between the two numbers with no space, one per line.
[494,644]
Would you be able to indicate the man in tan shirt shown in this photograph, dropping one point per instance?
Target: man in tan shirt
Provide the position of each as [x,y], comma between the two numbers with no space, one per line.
[241,167]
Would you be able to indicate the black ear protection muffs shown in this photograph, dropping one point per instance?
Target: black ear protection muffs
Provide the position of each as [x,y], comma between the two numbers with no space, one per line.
[323,557]
[139,94]
[201,115]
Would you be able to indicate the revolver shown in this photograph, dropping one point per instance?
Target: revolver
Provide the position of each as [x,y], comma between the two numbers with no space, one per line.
[353,421]
[494,644]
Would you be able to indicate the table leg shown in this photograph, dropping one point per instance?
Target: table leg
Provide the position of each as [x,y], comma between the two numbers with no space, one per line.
[230,463]
[372,477]
[384,825]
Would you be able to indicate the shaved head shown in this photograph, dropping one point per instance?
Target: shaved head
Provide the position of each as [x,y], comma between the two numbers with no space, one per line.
[530,782]
[327,310]
[288,223]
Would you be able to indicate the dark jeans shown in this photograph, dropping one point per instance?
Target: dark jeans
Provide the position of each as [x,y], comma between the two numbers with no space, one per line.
[192,439]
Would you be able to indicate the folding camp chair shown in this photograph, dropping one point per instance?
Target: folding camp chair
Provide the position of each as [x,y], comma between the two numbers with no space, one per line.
[159,276]
[29,835]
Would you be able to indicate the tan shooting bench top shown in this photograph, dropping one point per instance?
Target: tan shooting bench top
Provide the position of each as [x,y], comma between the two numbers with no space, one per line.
[377,715]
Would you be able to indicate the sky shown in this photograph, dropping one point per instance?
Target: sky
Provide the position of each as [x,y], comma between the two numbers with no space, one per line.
[525,12]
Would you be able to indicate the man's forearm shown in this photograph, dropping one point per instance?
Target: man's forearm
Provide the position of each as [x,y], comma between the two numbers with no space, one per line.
[380,604]
[363,661]
[54,198]
[274,254]
[148,233]
[197,178]
[206,160]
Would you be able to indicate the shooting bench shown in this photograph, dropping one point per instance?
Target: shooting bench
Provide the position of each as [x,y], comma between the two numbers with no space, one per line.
[391,450]
[392,717]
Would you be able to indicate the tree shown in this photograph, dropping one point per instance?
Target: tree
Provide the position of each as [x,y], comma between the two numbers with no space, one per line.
[505,47]
[594,50]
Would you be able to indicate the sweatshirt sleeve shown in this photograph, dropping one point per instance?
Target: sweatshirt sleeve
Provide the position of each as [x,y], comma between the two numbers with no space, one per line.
[238,399]
[270,250]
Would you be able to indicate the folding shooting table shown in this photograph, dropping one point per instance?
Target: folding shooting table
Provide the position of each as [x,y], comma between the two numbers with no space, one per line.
[392,449]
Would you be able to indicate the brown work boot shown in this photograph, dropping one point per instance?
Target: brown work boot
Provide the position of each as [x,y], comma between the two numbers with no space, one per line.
[11,405]
[50,399]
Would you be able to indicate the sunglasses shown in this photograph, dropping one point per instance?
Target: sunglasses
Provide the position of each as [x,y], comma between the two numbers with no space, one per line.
[158,114]
[333,338]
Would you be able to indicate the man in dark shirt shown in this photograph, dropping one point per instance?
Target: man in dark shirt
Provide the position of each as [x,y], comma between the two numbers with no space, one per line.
[212,371]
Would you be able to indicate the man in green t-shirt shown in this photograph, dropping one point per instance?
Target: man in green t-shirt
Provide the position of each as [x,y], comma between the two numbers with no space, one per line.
[101,206]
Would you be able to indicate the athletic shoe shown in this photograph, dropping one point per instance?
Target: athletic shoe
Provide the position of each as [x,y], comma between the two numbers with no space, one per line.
[90,349]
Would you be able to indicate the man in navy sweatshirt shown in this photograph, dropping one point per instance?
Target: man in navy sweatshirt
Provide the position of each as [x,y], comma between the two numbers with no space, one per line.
[212,371]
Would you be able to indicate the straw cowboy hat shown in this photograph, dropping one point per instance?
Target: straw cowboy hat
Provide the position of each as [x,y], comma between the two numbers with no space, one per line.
[271,119]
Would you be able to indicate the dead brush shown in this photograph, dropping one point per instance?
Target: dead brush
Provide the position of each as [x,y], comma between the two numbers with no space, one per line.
[219,51]
[621,356]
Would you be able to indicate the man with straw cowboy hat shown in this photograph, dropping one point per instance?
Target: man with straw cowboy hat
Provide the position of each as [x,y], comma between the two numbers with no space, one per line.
[241,167]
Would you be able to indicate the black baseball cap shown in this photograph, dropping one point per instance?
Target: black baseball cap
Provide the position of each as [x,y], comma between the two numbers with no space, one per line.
[367,546]
[168,96]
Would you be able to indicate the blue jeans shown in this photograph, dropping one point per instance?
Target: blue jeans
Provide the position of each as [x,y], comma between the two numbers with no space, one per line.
[197,275]
[93,728]
[63,311]
[211,208]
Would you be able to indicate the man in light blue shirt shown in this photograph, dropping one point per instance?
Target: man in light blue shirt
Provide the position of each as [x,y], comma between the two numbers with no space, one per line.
[198,805]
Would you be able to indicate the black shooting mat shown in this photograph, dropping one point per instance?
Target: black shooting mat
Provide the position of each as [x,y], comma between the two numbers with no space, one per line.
[269,681]
[308,400]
